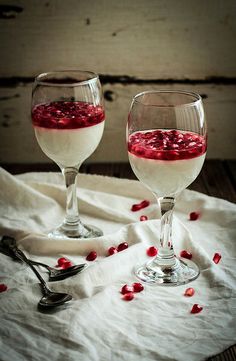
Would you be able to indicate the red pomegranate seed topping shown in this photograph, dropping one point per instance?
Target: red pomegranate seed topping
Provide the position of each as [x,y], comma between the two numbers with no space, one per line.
[169,145]
[91,256]
[67,264]
[189,292]
[141,205]
[61,260]
[193,216]
[128,296]
[143,218]
[122,246]
[112,250]
[138,287]
[216,258]
[126,289]
[196,308]
[3,287]
[186,254]
[67,115]
[152,251]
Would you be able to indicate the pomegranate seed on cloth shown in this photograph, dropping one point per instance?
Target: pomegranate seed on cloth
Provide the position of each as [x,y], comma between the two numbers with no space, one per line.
[193,216]
[216,258]
[196,308]
[112,250]
[91,256]
[189,292]
[122,246]
[126,289]
[143,218]
[138,287]
[141,205]
[152,251]
[186,254]
[128,296]
[3,287]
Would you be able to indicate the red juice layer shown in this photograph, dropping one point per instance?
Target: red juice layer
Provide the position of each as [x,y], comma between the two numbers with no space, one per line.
[67,115]
[166,144]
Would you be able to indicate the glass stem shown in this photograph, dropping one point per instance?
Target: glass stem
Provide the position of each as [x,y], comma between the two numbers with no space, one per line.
[166,255]
[72,212]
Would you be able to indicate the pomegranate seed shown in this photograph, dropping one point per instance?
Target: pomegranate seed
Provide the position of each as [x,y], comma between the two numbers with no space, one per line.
[3,287]
[138,287]
[91,256]
[189,292]
[152,251]
[122,246]
[193,216]
[67,264]
[112,250]
[141,205]
[196,308]
[216,258]
[126,289]
[61,260]
[143,218]
[128,296]
[186,254]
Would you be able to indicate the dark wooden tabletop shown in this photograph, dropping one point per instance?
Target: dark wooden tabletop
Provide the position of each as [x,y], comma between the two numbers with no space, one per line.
[217,178]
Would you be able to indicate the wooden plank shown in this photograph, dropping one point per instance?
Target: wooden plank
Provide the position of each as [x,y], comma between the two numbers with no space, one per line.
[146,39]
[217,182]
[230,166]
[18,143]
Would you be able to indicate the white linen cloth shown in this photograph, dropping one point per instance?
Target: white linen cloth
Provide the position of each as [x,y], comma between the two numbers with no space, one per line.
[97,324]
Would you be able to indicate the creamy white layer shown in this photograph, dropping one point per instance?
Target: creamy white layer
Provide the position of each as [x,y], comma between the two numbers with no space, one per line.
[166,178]
[69,147]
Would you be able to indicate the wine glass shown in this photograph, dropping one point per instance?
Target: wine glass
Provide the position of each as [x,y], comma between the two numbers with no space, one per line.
[68,120]
[167,141]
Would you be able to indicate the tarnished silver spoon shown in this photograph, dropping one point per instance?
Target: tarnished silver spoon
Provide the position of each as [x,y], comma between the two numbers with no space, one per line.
[50,299]
[8,247]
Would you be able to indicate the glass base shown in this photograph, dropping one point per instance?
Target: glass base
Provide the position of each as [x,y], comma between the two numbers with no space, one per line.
[75,231]
[183,271]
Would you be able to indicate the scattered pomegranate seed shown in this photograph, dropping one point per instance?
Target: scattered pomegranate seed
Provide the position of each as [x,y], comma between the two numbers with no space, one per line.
[61,260]
[196,308]
[3,287]
[126,289]
[66,264]
[143,218]
[152,251]
[186,254]
[189,292]
[193,216]
[128,296]
[112,250]
[141,205]
[91,256]
[122,246]
[216,258]
[138,287]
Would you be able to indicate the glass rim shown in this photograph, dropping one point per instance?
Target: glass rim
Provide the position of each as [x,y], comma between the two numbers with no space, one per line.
[197,97]
[38,78]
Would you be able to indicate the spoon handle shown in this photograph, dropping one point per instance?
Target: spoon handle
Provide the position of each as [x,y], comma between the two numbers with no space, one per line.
[23,258]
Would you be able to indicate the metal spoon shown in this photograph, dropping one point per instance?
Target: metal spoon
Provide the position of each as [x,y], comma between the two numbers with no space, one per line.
[8,247]
[50,299]
[60,274]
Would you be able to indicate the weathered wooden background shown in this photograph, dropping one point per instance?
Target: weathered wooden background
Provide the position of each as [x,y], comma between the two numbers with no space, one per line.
[134,45]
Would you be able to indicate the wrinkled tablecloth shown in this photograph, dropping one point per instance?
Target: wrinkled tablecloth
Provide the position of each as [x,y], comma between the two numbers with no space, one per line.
[98,324]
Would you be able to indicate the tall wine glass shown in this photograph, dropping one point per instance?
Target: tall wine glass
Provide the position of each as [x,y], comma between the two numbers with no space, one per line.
[68,120]
[167,140]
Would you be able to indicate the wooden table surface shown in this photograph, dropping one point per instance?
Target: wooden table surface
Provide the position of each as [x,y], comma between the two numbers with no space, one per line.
[217,178]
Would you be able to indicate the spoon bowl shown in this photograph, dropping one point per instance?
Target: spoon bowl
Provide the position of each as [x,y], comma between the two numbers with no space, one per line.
[53,299]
